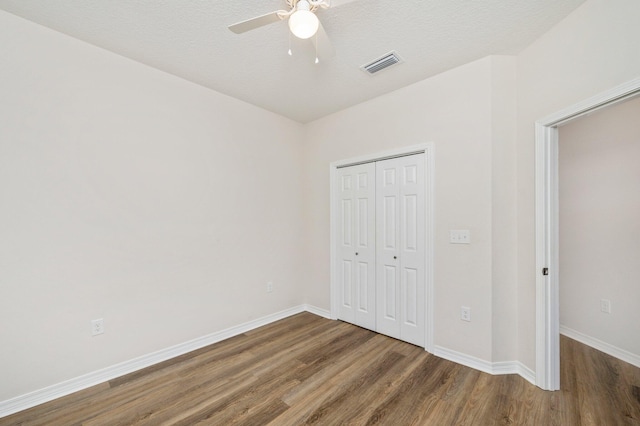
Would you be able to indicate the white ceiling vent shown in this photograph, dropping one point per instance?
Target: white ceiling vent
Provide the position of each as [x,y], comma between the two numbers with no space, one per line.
[382,63]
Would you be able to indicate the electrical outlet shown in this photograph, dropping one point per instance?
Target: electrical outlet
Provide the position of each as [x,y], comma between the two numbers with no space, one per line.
[97,326]
[465,313]
[269,286]
[605,306]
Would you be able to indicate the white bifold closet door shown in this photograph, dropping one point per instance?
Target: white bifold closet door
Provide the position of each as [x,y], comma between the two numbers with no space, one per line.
[400,248]
[356,241]
[381,246]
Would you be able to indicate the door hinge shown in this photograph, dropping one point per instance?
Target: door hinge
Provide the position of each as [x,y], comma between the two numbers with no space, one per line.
[545,271]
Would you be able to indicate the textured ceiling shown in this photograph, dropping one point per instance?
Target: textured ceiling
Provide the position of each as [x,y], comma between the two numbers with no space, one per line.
[190,39]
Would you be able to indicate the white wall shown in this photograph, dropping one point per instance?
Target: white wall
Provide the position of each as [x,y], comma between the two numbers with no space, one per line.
[592,50]
[599,157]
[454,111]
[134,196]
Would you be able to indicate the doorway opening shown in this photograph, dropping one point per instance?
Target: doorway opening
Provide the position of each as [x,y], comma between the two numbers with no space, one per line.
[547,229]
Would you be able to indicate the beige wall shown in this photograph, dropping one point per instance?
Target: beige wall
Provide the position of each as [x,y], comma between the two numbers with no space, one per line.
[599,170]
[503,219]
[592,50]
[455,111]
[134,196]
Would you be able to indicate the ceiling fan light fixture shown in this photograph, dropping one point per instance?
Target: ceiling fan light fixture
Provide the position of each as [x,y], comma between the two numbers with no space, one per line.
[303,23]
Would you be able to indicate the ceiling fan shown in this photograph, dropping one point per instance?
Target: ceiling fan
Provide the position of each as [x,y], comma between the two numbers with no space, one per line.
[303,23]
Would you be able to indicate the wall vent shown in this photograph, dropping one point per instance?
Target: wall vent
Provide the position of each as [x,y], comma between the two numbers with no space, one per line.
[382,63]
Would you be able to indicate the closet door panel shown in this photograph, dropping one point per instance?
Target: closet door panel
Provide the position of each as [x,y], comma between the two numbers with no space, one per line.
[356,244]
[412,249]
[401,248]
[388,231]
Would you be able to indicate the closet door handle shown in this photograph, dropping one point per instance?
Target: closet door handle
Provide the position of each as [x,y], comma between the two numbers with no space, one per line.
[356,253]
[395,257]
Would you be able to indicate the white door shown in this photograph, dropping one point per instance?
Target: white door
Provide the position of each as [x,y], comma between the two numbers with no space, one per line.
[400,248]
[356,253]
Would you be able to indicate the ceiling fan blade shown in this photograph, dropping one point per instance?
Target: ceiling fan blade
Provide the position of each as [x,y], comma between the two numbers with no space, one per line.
[336,3]
[257,22]
[323,44]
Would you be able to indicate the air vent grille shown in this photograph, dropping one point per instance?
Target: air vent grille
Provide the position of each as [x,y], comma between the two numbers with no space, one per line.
[382,63]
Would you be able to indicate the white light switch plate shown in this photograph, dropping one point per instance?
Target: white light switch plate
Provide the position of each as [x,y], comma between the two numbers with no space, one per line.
[460,236]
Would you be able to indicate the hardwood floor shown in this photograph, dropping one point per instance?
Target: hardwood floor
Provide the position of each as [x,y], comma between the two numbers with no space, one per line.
[310,370]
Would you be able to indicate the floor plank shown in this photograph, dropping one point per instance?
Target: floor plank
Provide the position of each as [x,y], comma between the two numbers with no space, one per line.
[309,370]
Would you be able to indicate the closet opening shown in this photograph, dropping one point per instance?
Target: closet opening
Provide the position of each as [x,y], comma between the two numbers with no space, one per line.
[382,243]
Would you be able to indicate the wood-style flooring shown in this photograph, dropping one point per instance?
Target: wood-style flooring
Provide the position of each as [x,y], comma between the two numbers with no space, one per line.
[310,370]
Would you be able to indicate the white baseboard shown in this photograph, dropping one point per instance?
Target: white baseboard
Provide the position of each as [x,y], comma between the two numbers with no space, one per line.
[58,390]
[318,311]
[464,359]
[515,367]
[493,368]
[605,347]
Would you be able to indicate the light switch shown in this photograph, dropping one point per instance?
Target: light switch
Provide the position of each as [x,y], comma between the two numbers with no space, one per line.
[460,236]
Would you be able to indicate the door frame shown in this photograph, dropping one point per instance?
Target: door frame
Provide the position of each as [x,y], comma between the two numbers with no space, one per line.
[429,169]
[547,229]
